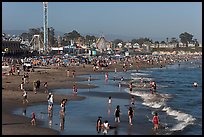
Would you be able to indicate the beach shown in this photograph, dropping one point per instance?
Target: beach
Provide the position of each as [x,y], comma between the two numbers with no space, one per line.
[12,99]
[57,79]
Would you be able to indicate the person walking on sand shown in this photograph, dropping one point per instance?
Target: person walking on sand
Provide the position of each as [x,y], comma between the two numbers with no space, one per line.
[117,114]
[27,78]
[68,73]
[33,119]
[18,70]
[46,87]
[73,73]
[34,86]
[25,96]
[155,121]
[130,115]
[22,86]
[38,85]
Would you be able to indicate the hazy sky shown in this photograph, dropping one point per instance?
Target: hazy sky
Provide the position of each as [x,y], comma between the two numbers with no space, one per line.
[135,19]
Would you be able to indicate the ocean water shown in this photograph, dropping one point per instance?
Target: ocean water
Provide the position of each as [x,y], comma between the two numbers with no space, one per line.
[178,103]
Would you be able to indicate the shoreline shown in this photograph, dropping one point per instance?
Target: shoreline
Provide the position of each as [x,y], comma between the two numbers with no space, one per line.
[12,99]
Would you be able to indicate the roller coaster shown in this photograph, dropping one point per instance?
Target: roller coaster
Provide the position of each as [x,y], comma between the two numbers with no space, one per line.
[36,44]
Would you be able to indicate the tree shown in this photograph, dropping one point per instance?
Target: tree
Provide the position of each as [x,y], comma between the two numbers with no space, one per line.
[90,39]
[31,32]
[116,41]
[157,43]
[185,38]
[25,36]
[133,41]
[174,41]
[163,42]
[195,42]
[74,35]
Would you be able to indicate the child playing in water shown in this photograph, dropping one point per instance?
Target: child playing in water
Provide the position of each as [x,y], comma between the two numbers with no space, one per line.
[155,120]
[33,121]
[109,100]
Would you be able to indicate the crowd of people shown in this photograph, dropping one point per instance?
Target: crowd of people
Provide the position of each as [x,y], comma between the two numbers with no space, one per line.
[103,127]
[97,63]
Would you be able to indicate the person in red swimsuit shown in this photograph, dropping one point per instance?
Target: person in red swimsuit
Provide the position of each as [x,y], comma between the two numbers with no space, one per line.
[33,120]
[155,121]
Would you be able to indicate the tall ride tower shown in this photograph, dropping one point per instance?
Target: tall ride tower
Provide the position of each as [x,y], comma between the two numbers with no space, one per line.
[45,24]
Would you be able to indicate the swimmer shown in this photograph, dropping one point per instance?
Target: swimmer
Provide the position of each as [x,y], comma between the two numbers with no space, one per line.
[195,84]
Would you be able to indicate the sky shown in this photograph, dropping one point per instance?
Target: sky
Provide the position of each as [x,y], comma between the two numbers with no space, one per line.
[156,20]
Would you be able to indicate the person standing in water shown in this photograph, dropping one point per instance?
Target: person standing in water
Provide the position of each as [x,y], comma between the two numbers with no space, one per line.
[154,86]
[99,124]
[130,115]
[109,100]
[109,106]
[130,86]
[155,121]
[74,90]
[50,110]
[62,119]
[89,80]
[106,76]
[33,119]
[106,127]
[117,114]
[132,101]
